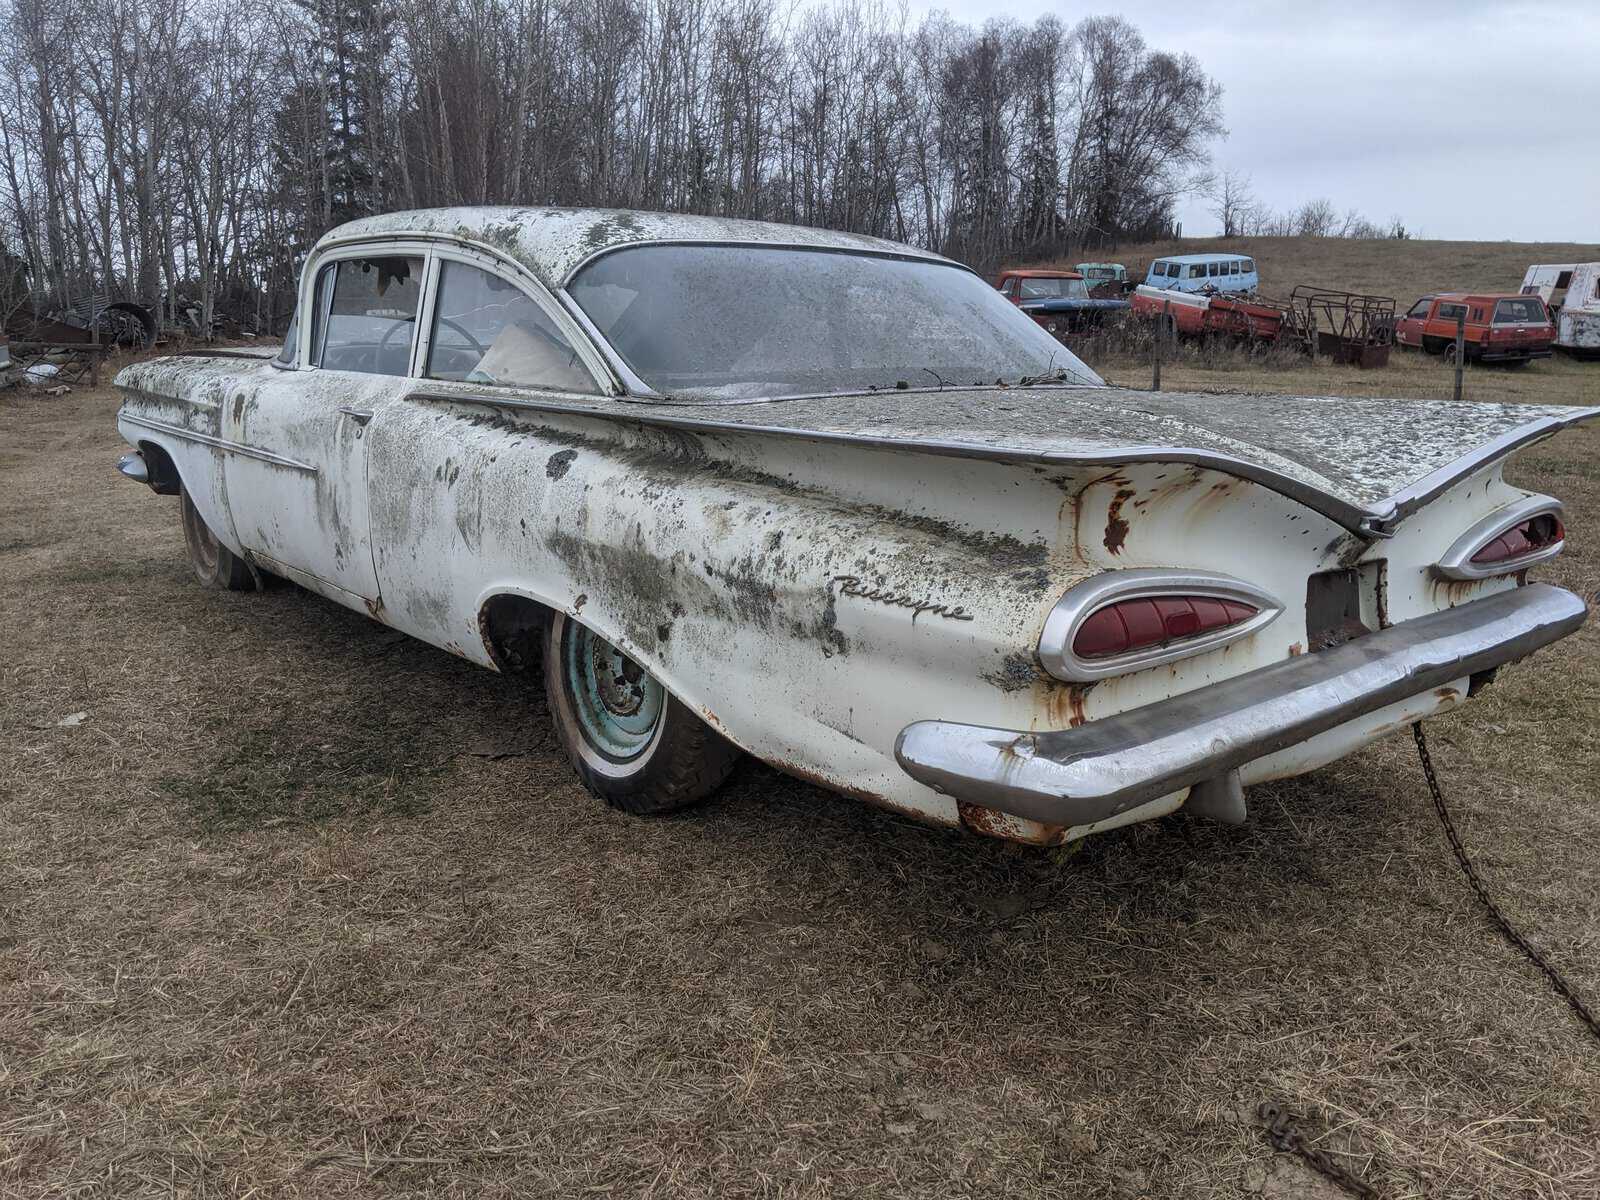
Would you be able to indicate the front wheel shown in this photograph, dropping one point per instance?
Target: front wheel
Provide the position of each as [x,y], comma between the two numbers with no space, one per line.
[214,564]
[631,742]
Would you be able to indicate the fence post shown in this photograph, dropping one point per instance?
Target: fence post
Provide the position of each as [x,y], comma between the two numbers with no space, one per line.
[94,355]
[1160,339]
[1461,347]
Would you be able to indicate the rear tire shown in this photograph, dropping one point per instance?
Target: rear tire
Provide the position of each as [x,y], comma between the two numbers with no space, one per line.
[214,564]
[632,743]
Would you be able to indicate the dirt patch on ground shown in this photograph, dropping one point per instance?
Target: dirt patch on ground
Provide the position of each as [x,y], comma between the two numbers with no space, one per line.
[273,919]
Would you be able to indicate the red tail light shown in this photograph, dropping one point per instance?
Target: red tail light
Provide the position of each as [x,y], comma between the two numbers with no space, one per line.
[1126,621]
[1536,533]
[1510,539]
[1136,624]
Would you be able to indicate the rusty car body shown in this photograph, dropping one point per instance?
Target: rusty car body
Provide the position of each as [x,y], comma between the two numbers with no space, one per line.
[1571,292]
[939,566]
[1209,314]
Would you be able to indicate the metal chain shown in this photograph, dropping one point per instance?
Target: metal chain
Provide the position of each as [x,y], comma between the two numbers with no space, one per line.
[1562,987]
[1283,1134]
[1281,1127]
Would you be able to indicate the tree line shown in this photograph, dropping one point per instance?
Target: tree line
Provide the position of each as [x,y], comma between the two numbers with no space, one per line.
[197,147]
[1241,214]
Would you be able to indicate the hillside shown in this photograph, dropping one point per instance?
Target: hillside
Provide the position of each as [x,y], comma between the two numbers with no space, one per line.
[1401,269]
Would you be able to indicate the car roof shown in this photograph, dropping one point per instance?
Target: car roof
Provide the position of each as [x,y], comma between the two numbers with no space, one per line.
[554,242]
[1476,296]
[1200,258]
[1039,273]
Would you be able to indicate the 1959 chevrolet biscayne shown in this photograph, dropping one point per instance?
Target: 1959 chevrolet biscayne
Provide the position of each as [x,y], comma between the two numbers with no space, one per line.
[835,502]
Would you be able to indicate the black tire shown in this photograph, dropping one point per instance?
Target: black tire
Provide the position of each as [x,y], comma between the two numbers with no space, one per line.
[1449,353]
[214,564]
[661,764]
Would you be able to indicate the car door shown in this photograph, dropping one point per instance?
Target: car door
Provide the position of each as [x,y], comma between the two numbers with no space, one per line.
[300,502]
[1408,329]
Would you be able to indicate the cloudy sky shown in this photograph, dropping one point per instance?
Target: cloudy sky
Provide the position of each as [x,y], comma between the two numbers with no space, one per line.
[1467,118]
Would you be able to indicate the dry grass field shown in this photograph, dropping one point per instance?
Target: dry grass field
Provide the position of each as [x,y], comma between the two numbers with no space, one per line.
[1401,270]
[298,907]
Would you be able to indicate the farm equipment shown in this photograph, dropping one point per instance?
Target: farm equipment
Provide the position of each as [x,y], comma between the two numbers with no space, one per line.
[1347,327]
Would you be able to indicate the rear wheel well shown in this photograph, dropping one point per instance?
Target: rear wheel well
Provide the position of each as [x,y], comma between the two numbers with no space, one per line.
[164,477]
[513,632]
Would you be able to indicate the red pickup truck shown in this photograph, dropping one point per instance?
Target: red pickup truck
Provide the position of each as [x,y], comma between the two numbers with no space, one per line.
[1502,327]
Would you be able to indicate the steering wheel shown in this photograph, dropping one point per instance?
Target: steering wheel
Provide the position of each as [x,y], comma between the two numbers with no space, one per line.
[383,342]
[457,326]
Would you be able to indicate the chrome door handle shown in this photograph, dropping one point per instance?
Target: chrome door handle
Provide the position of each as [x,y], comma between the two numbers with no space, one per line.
[359,415]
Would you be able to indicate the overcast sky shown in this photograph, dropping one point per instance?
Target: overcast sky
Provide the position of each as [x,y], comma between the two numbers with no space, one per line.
[1467,118]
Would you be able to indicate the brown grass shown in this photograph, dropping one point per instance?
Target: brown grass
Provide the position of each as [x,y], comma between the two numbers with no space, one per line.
[270,927]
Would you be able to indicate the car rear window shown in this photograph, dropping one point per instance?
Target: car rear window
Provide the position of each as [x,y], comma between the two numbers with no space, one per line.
[755,321]
[1524,308]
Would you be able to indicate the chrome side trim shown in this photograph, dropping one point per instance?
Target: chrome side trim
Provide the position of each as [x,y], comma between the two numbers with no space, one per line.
[1105,767]
[133,466]
[206,439]
[1085,599]
[1457,561]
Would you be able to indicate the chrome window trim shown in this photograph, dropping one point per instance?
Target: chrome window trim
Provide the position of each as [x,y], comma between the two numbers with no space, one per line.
[1085,599]
[206,439]
[1456,563]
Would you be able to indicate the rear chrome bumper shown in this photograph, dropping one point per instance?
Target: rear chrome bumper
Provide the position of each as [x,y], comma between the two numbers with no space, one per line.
[1091,773]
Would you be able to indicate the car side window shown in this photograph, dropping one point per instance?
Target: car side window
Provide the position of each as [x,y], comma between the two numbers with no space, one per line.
[1449,312]
[1249,265]
[488,330]
[372,318]
[1419,309]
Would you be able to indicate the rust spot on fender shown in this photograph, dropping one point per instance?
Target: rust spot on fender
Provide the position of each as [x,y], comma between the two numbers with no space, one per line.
[1065,704]
[1116,525]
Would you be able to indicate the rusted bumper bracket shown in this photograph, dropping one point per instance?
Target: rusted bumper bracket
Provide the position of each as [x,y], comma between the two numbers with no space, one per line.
[1088,774]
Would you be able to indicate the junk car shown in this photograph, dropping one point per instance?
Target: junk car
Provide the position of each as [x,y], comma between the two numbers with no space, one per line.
[1571,293]
[1204,273]
[1105,279]
[1498,327]
[1058,300]
[699,477]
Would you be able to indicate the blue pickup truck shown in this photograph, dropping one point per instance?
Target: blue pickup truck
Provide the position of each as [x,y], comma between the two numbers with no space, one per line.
[1057,300]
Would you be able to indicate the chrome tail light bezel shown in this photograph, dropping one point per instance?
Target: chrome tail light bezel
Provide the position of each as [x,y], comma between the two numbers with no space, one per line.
[1457,564]
[1083,600]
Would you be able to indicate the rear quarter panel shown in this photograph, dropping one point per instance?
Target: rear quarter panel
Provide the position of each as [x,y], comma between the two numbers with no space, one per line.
[811,600]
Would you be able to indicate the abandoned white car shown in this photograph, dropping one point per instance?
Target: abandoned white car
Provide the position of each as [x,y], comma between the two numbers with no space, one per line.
[834,502]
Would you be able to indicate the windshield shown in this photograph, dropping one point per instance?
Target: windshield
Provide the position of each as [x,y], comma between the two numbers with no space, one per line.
[746,322]
[1054,289]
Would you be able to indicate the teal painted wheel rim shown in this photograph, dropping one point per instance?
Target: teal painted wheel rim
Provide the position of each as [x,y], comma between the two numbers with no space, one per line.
[618,704]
